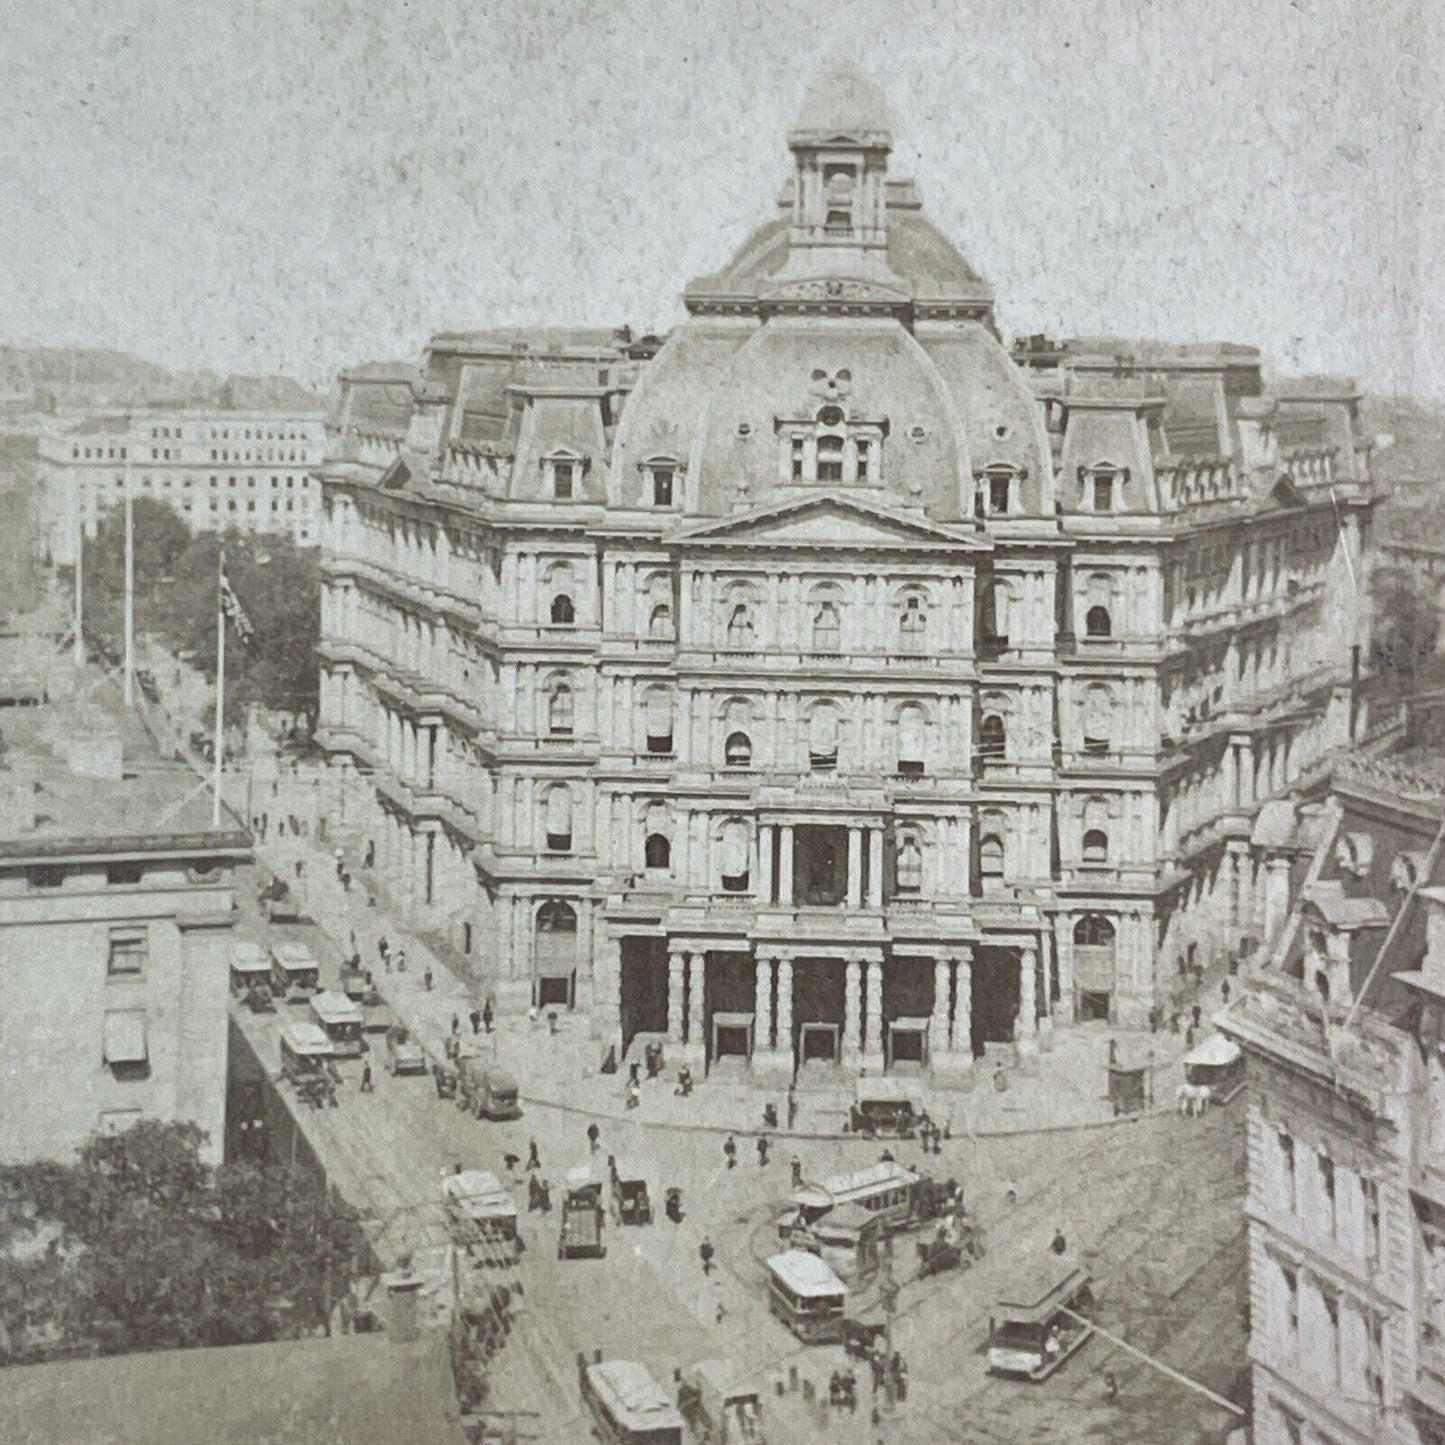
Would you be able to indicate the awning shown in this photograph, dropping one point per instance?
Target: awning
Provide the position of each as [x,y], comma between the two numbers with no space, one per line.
[125,1037]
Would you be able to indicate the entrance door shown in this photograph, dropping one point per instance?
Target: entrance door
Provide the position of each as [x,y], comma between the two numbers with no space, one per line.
[643,1004]
[818,1043]
[995,996]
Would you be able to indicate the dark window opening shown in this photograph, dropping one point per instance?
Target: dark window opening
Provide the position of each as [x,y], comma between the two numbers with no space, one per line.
[839,223]
[830,459]
[797,459]
[559,842]
[1096,846]
[46,876]
[562,480]
[123,873]
[998,494]
[662,487]
[563,612]
[657,851]
[992,739]
[863,451]
[660,744]
[738,750]
[990,857]
[1098,623]
[1104,494]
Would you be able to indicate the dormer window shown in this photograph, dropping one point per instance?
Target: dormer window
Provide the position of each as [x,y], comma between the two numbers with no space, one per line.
[1101,486]
[832,449]
[562,480]
[660,478]
[994,494]
[562,474]
[1104,492]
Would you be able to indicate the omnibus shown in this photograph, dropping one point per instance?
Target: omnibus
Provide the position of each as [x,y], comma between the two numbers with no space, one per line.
[305,1053]
[295,974]
[887,1190]
[807,1296]
[628,1407]
[340,1021]
[1215,1064]
[1040,1324]
[250,968]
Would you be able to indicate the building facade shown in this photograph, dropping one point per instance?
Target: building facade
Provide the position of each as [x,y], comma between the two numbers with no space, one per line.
[823,682]
[1343,1032]
[116,911]
[216,468]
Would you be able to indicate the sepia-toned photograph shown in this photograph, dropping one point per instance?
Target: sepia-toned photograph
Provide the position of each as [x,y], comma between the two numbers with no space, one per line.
[722,724]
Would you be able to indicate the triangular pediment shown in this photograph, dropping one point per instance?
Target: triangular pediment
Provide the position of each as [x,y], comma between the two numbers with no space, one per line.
[827,519]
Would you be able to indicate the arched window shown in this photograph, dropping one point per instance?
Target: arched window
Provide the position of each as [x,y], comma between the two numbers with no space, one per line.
[1096,847]
[908,867]
[827,630]
[830,458]
[992,738]
[559,819]
[912,725]
[659,623]
[823,740]
[740,627]
[735,857]
[563,613]
[657,851]
[738,750]
[659,721]
[1093,930]
[1098,720]
[990,857]
[559,711]
[555,916]
[912,624]
[1098,623]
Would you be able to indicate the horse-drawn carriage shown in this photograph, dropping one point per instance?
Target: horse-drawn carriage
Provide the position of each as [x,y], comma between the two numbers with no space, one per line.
[954,1246]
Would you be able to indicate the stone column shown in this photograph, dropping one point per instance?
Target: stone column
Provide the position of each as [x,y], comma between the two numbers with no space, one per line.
[938,1020]
[1046,1023]
[855,869]
[852,1014]
[675,977]
[873,1024]
[785,1010]
[785,866]
[875,868]
[962,1036]
[1028,1023]
[695,1050]
[763,1007]
[607,1001]
[764,890]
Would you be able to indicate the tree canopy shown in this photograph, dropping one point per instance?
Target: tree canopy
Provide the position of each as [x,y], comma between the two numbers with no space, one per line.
[154,1250]
[277,583]
[1406,630]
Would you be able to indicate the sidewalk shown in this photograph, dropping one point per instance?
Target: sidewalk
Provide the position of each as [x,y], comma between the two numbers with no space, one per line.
[561,1070]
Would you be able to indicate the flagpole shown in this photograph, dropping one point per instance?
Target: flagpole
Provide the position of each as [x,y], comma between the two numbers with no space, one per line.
[79,583]
[220,741]
[129,590]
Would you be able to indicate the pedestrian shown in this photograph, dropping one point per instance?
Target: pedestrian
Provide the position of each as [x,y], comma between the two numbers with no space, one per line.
[366,1078]
[356,952]
[900,1379]
[487,1015]
[634,1072]
[792,1107]
[426,978]
[476,1022]
[345,881]
[534,1160]
[1197,1013]
[879,1369]
[1189,1037]
[370,860]
[382,947]
[594,1137]
[340,857]
[721,1312]
[730,1151]
[1111,1385]
[264,821]
[705,1254]
[1224,989]
[1113,1052]
[796,1166]
[401,961]
[1058,1244]
[762,1151]
[300,867]
[510,1162]
[456,1025]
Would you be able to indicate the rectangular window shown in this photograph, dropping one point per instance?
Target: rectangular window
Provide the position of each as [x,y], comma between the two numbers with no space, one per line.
[1331,1305]
[1103,494]
[1370,1207]
[662,487]
[1290,1191]
[1291,1305]
[562,480]
[797,459]
[863,457]
[129,950]
[46,876]
[1327,1194]
[124,1043]
[121,874]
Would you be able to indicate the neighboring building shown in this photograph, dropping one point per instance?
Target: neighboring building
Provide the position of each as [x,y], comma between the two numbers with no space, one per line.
[116,909]
[821,682]
[335,1391]
[1344,1034]
[252,470]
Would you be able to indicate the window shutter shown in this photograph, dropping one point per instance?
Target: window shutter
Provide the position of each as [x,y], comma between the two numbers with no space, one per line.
[734,850]
[910,735]
[659,715]
[823,731]
[559,813]
[1001,601]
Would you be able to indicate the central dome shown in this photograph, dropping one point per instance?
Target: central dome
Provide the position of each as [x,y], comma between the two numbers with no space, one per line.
[845,102]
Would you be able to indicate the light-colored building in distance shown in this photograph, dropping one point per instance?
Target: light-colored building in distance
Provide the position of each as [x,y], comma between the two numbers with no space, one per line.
[116,911]
[252,470]
[823,683]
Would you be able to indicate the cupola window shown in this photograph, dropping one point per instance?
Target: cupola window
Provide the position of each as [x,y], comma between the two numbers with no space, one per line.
[830,459]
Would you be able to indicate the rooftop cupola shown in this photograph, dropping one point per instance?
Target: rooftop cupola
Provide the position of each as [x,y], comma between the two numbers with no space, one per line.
[840,147]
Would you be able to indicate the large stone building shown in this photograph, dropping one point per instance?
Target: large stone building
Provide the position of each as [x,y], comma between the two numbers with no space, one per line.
[822,682]
[116,911]
[216,468]
[1344,1036]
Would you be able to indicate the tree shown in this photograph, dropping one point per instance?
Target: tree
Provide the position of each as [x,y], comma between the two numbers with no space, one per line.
[159,1252]
[1406,630]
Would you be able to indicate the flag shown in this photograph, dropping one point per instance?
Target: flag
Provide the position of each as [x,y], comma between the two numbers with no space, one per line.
[235,613]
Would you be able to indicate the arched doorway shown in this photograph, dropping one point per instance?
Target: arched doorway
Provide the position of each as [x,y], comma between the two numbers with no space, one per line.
[1094,966]
[555,984]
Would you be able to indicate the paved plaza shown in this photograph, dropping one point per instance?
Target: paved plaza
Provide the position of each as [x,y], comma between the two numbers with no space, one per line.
[1150,1205]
